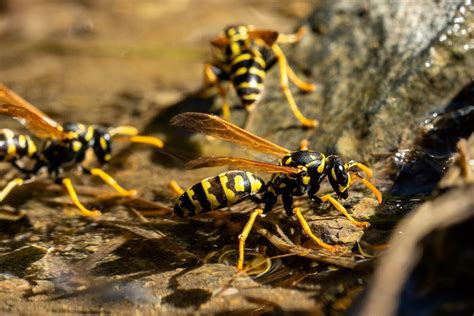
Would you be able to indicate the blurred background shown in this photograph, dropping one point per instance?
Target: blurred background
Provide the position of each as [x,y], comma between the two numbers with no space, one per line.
[70,55]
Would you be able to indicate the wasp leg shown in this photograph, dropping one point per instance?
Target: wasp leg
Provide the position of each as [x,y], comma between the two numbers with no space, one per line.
[291,38]
[287,203]
[294,38]
[176,188]
[302,85]
[313,189]
[9,187]
[304,144]
[283,64]
[112,182]
[72,194]
[342,209]
[270,199]
[369,185]
[307,230]
[243,236]
[254,198]
[210,77]
[21,168]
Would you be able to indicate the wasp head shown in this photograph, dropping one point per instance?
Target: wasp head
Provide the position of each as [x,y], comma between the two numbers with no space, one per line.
[338,175]
[240,31]
[102,145]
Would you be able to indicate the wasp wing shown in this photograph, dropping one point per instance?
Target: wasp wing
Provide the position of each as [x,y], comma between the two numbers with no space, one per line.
[239,163]
[269,37]
[219,42]
[215,126]
[36,121]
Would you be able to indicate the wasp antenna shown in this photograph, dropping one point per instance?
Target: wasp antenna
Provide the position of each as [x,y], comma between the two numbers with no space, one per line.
[369,185]
[123,130]
[149,140]
[354,164]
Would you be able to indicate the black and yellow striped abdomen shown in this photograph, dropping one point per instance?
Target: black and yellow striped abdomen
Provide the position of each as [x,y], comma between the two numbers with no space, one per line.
[15,146]
[213,193]
[247,72]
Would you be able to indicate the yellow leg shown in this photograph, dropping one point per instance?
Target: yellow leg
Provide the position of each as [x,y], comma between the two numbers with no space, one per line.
[284,86]
[243,236]
[211,78]
[307,230]
[342,209]
[176,188]
[291,38]
[304,144]
[72,194]
[369,185]
[9,187]
[112,182]
[302,85]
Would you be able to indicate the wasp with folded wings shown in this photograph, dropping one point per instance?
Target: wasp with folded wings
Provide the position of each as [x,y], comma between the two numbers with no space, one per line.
[64,147]
[298,173]
[242,55]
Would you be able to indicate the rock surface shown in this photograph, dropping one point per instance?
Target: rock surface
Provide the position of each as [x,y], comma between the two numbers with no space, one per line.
[381,69]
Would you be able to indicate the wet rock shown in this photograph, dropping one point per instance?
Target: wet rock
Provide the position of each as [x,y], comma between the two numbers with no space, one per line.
[217,288]
[420,168]
[381,69]
[17,261]
[13,285]
[428,269]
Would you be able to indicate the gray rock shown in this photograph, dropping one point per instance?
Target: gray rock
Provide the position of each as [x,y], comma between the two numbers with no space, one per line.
[381,68]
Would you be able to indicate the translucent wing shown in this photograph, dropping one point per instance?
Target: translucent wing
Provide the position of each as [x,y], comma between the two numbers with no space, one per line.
[36,121]
[269,37]
[215,126]
[239,163]
[219,42]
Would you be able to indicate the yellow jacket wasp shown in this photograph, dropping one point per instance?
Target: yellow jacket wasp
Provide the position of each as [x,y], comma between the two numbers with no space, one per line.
[298,173]
[243,55]
[64,146]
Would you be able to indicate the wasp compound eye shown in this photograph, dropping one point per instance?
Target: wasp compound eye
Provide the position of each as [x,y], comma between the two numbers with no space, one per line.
[102,146]
[339,178]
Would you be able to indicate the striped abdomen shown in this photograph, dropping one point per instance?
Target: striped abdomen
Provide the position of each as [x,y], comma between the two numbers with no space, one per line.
[247,74]
[15,146]
[213,193]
